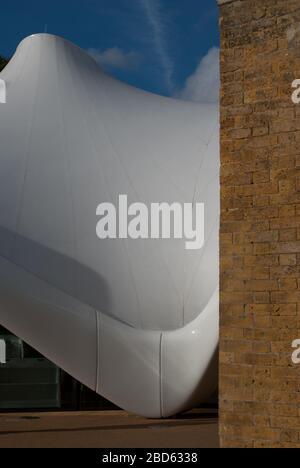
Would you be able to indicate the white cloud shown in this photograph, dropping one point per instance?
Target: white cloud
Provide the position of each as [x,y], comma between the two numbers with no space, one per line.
[204,84]
[116,58]
[152,10]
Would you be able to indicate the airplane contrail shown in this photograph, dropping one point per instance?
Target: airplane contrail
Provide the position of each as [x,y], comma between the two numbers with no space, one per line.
[152,10]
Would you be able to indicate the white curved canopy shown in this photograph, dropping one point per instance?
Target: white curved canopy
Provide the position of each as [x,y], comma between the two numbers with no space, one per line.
[135,320]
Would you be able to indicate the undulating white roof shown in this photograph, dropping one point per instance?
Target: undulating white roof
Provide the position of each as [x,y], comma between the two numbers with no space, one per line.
[107,311]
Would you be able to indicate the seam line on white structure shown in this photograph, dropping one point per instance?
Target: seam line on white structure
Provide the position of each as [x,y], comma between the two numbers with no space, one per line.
[162,169]
[97,349]
[119,158]
[160,375]
[103,175]
[209,182]
[22,68]
[189,289]
[195,193]
[27,157]
[207,143]
[57,288]
[68,171]
[100,165]
[50,304]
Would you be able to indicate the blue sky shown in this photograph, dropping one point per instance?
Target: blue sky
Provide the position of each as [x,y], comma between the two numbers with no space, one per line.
[154,44]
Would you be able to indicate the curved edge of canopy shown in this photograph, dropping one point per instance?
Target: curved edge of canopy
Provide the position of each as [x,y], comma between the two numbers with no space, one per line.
[152,373]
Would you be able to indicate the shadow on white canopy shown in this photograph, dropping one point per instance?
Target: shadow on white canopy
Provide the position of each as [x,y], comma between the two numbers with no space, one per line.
[135,320]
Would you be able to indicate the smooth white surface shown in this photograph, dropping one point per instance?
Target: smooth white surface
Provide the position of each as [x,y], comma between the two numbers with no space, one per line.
[129,367]
[66,334]
[119,315]
[189,361]
[2,92]
[2,352]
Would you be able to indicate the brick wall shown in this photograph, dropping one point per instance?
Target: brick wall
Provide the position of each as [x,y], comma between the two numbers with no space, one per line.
[260,223]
